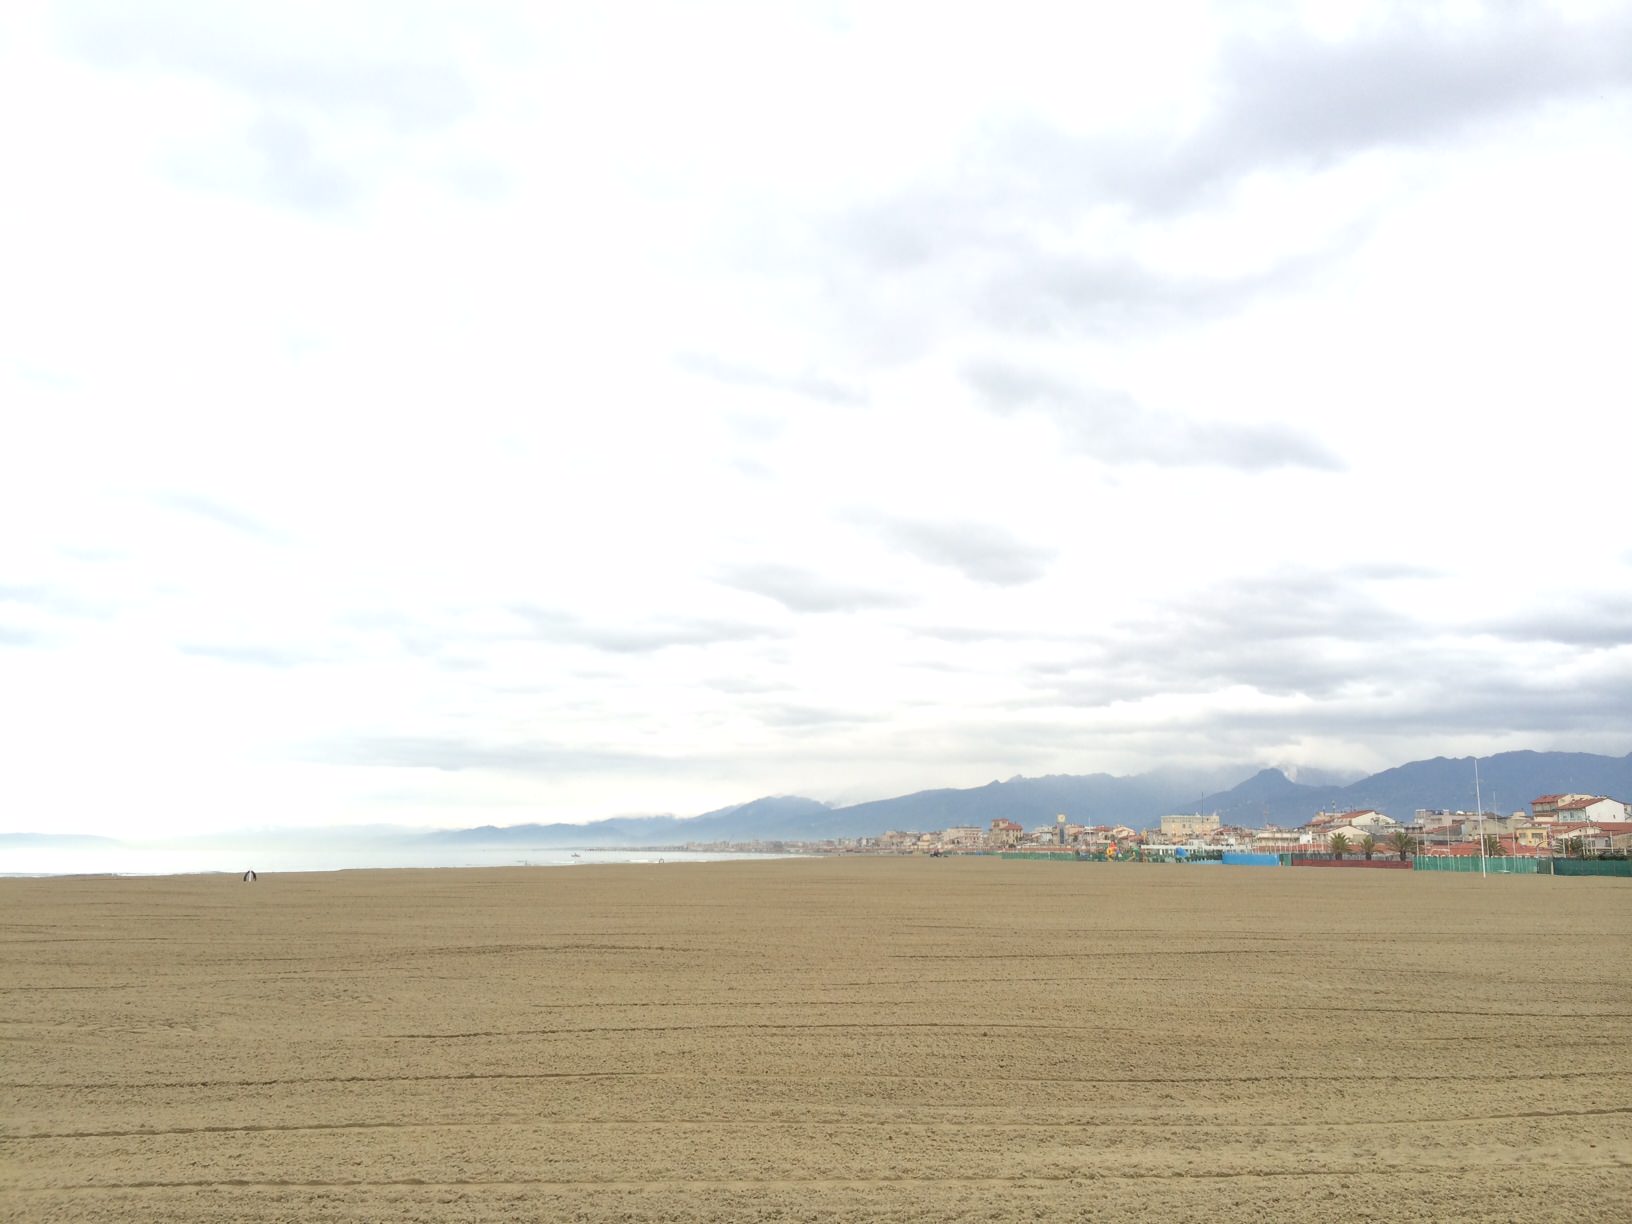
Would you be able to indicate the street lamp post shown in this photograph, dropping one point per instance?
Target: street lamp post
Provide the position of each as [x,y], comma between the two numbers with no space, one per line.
[1479,803]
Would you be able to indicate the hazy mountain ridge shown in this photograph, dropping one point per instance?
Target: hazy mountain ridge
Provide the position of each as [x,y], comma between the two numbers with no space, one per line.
[1508,782]
[1088,799]
[779,817]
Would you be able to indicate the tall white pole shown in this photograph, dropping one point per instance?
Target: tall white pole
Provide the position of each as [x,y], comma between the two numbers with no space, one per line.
[1479,803]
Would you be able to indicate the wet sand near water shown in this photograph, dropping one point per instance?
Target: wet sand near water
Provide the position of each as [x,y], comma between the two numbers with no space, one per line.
[839,1039]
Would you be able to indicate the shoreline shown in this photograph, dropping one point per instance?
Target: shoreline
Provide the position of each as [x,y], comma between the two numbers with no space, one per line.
[628,857]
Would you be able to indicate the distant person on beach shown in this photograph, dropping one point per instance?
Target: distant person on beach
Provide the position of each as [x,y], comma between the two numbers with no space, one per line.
[249,877]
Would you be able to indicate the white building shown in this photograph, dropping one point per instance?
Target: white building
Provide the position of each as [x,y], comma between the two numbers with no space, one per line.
[1592,807]
[1545,807]
[1368,821]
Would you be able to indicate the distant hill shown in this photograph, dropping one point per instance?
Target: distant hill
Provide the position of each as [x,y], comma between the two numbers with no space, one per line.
[1092,799]
[1508,781]
[1268,797]
[1085,799]
[772,818]
[1242,796]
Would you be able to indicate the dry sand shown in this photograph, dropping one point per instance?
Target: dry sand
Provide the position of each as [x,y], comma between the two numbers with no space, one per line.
[863,1039]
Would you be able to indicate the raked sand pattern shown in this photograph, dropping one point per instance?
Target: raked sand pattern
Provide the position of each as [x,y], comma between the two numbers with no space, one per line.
[860,1039]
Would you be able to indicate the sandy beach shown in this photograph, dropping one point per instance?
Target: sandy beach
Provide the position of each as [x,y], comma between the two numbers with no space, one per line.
[860,1039]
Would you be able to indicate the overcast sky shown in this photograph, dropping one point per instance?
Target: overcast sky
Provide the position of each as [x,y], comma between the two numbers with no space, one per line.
[451,414]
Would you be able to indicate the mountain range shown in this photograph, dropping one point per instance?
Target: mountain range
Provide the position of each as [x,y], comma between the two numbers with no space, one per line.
[1507,782]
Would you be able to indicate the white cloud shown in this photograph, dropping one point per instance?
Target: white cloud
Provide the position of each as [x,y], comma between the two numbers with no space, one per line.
[577,411]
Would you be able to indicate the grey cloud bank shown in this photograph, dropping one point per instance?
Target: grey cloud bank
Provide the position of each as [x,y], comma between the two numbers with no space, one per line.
[1109,425]
[984,552]
[560,626]
[802,590]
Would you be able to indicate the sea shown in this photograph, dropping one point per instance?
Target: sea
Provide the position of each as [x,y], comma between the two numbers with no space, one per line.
[123,860]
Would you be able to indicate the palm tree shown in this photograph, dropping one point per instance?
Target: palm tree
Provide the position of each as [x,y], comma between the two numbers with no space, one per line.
[1493,845]
[1401,843]
[1340,845]
[1368,846]
[1575,847]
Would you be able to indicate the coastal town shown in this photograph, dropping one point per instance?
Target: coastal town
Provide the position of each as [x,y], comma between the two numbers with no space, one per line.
[1575,826]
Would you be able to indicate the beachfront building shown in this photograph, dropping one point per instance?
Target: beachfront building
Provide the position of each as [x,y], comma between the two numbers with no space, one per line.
[1273,840]
[1182,828]
[1366,820]
[1439,826]
[1544,808]
[1005,833]
[1594,837]
[1438,823]
[1532,836]
[1355,826]
[1350,833]
[1591,807]
[1096,837]
[962,837]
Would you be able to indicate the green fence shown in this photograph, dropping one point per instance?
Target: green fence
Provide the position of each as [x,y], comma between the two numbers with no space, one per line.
[1069,856]
[1459,864]
[1495,865]
[1592,867]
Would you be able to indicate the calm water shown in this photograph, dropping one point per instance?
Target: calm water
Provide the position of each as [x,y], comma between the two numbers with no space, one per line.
[155,860]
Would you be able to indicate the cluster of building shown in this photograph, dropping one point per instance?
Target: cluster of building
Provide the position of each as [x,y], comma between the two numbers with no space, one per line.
[1555,824]
[1563,824]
